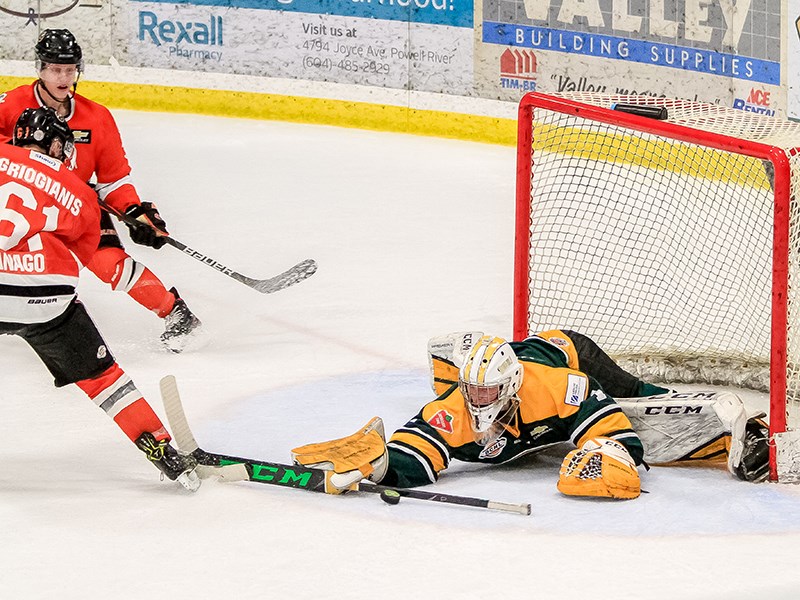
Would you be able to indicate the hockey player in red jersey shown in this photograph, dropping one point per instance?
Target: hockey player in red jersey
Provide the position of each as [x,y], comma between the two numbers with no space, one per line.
[49,229]
[99,154]
[500,400]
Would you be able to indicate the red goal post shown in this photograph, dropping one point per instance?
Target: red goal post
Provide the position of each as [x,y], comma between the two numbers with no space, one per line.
[673,242]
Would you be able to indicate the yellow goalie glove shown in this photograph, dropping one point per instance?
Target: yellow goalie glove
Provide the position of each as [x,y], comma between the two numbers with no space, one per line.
[601,467]
[348,460]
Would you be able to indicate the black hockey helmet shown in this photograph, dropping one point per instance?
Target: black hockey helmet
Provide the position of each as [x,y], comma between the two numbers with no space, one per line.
[58,46]
[42,127]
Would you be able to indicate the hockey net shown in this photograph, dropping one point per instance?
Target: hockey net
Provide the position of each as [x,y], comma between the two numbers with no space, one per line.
[673,242]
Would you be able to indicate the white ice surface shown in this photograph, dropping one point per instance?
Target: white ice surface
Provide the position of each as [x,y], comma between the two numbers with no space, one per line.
[414,238]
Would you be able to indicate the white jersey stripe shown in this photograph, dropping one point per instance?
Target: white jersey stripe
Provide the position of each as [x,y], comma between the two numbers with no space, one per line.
[29,280]
[27,311]
[104,189]
[422,461]
[431,440]
[594,418]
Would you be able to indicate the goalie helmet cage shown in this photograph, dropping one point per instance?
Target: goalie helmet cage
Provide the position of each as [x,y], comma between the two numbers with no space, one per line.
[673,242]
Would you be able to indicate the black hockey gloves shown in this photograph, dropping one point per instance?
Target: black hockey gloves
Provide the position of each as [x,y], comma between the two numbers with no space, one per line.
[149,228]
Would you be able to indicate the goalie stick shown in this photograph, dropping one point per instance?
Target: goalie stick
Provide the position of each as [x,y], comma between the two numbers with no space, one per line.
[297,273]
[232,468]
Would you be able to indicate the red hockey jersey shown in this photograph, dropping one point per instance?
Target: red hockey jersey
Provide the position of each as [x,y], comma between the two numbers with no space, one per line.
[98,146]
[49,229]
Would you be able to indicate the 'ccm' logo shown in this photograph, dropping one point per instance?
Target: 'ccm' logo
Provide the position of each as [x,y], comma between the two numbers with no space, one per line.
[673,410]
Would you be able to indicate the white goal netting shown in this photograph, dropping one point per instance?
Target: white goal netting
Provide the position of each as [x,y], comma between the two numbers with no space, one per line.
[660,247]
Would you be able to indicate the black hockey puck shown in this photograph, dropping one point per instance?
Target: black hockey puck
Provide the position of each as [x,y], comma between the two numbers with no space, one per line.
[390,496]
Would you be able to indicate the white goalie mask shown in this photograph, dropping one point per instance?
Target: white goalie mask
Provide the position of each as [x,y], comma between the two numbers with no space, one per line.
[489,380]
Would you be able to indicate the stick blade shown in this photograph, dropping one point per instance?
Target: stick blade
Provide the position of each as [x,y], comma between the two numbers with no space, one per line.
[176,416]
[227,473]
[296,274]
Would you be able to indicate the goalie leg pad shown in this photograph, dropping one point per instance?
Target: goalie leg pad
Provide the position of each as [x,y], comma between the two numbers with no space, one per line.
[350,459]
[602,468]
[688,425]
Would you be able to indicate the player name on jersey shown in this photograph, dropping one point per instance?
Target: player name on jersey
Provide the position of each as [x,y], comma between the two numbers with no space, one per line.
[22,263]
[32,176]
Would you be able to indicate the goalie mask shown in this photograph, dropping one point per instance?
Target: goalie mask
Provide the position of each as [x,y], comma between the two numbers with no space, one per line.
[489,380]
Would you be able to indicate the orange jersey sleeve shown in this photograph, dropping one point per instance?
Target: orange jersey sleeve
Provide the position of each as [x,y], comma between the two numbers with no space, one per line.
[12,103]
[99,153]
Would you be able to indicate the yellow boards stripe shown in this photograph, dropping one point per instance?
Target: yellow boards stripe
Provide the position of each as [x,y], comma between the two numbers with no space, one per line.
[299,109]
[650,152]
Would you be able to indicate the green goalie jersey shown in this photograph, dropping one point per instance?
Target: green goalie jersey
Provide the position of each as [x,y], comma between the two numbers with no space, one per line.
[558,403]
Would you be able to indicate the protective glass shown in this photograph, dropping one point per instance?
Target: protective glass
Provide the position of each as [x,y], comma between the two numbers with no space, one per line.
[490,408]
[59,74]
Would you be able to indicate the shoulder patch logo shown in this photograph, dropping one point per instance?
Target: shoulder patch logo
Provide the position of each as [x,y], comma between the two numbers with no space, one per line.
[45,160]
[493,449]
[576,389]
[443,421]
[558,341]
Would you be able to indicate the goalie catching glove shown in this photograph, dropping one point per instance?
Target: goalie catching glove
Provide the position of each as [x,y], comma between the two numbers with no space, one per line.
[149,228]
[348,460]
[601,467]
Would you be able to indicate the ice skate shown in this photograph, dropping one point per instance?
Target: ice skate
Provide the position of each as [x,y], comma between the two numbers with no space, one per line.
[180,325]
[176,466]
[755,457]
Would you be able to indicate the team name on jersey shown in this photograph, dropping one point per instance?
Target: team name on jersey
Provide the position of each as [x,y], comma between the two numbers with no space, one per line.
[53,188]
[22,263]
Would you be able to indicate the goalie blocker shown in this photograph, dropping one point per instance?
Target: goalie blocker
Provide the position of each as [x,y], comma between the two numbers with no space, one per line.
[346,461]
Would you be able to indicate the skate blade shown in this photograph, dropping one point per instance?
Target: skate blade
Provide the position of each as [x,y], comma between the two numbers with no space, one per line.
[190,480]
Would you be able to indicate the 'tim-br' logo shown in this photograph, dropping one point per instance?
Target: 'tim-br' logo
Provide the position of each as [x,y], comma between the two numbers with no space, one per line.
[180,32]
[518,69]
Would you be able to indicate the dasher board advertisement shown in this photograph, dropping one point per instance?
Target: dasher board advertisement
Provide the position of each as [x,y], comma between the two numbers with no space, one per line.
[422,45]
[710,50]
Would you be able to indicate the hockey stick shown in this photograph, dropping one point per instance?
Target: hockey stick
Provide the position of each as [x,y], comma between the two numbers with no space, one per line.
[232,468]
[297,273]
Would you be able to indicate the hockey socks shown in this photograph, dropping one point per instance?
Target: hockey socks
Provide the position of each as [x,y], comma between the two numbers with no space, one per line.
[148,291]
[118,396]
[113,266]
